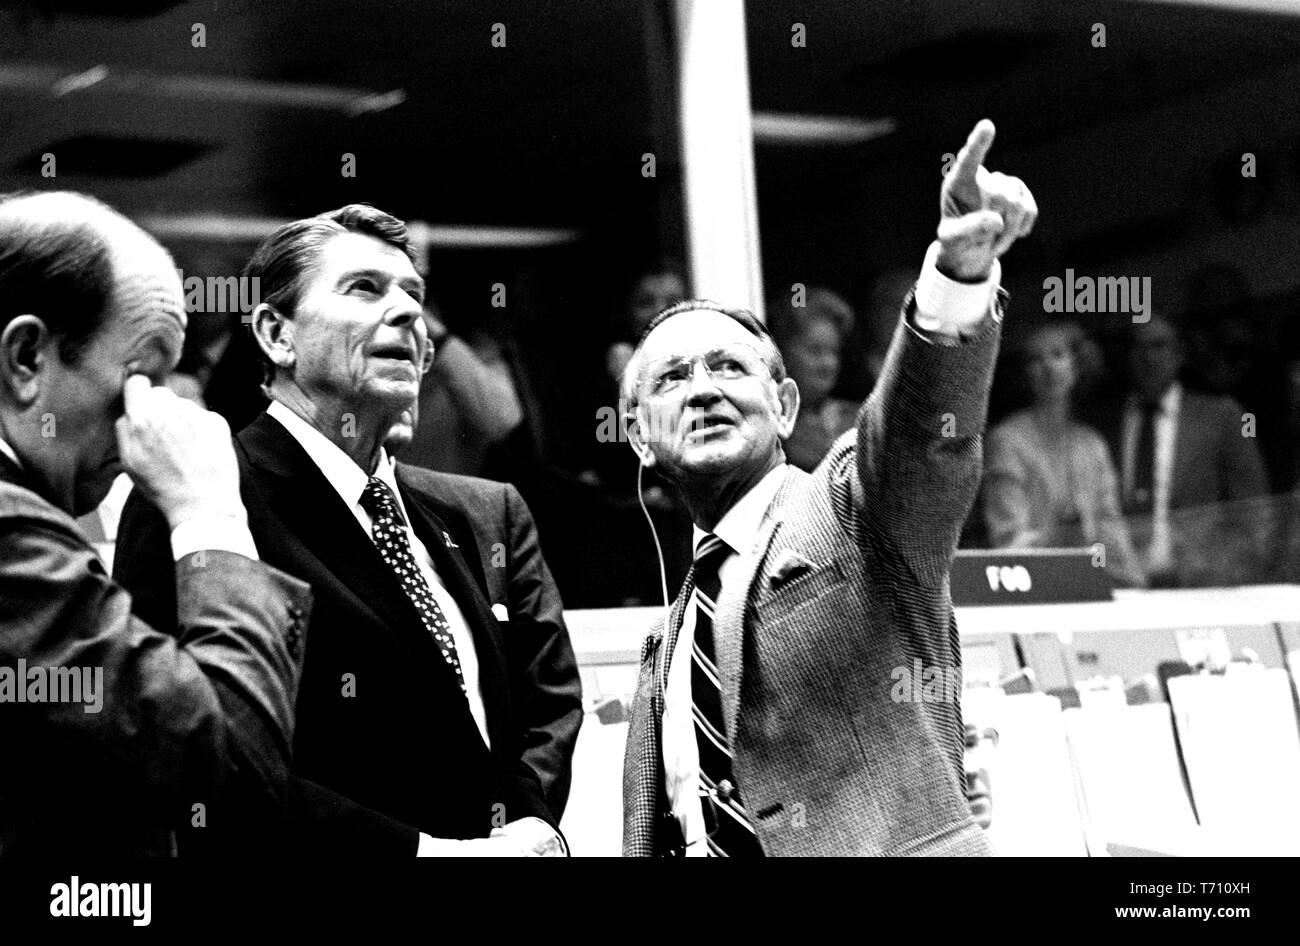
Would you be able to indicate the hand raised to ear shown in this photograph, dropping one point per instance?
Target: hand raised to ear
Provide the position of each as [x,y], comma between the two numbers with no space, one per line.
[981,213]
[178,454]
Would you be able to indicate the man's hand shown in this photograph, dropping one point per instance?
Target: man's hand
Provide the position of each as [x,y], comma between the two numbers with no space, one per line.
[981,213]
[177,453]
[535,836]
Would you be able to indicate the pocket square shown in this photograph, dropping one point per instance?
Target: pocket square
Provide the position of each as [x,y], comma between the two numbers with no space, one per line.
[500,613]
[788,564]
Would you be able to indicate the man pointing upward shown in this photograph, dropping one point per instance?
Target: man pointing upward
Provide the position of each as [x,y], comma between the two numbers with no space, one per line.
[762,721]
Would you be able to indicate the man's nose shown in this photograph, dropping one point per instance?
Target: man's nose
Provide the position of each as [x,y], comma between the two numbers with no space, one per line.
[402,309]
[702,386]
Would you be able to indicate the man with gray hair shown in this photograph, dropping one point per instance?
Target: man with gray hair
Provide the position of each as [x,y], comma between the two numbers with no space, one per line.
[1190,473]
[765,719]
[192,728]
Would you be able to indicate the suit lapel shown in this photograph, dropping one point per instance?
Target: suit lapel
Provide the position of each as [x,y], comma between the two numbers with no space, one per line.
[1190,440]
[450,529]
[10,473]
[452,548]
[729,626]
[671,632]
[297,492]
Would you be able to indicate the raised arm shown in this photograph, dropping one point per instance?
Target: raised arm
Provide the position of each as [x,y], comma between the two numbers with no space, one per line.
[919,434]
[487,400]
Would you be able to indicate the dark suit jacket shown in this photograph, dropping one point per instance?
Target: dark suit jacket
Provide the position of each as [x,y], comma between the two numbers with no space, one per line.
[1213,462]
[203,715]
[846,584]
[398,752]
[1221,524]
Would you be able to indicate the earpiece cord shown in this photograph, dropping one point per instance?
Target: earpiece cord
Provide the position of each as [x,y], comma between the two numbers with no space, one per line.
[663,575]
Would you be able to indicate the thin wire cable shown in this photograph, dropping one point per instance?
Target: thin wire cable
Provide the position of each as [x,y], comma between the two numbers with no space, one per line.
[663,573]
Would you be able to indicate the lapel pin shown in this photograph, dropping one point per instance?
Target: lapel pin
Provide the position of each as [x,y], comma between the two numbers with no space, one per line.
[500,613]
[450,544]
[650,645]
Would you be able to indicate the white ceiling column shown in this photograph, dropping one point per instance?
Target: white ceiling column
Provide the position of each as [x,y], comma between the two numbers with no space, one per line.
[718,153]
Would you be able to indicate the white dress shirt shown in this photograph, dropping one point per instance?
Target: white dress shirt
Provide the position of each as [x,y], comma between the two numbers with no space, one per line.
[9,452]
[739,529]
[1159,553]
[349,481]
[943,306]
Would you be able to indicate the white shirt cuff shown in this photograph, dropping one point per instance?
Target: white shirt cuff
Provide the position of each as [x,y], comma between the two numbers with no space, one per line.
[213,533]
[945,305]
[433,847]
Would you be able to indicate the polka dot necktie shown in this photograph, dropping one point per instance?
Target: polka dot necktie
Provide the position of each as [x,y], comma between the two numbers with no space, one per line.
[389,535]
[731,833]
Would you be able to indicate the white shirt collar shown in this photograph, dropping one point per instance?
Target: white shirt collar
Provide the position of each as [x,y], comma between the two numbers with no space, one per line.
[348,479]
[1169,401]
[1172,399]
[739,526]
[9,452]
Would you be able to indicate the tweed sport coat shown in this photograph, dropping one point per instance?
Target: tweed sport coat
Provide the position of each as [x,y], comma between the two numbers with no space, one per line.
[846,583]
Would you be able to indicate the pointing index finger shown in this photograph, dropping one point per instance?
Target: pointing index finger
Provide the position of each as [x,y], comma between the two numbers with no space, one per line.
[971,156]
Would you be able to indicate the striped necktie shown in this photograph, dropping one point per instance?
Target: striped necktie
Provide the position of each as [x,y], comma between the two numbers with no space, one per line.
[731,834]
[389,535]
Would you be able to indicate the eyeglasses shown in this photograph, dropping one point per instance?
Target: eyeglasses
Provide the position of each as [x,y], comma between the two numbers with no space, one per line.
[672,375]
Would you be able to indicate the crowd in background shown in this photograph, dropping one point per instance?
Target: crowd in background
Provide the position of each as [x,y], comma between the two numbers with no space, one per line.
[1172,443]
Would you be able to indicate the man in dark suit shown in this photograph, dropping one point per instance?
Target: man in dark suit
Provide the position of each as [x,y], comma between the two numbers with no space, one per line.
[767,717]
[440,701]
[1183,457]
[124,732]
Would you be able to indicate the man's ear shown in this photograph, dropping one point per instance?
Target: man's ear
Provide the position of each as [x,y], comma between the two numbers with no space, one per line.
[787,394]
[26,345]
[273,331]
[636,438]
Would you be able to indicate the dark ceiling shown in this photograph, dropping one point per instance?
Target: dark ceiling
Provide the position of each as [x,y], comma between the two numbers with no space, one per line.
[525,134]
[549,131]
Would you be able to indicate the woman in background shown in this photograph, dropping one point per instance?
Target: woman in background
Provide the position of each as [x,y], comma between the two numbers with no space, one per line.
[811,338]
[1049,480]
